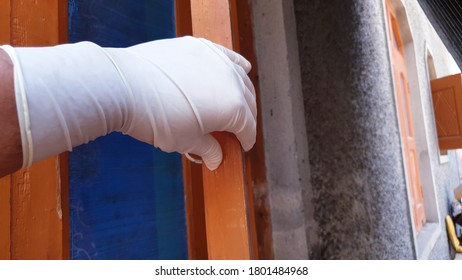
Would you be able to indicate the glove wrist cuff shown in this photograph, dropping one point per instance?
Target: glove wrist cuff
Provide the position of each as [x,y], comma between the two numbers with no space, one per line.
[74,93]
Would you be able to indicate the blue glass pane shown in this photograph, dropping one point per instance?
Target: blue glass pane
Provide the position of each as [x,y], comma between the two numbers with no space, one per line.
[126,197]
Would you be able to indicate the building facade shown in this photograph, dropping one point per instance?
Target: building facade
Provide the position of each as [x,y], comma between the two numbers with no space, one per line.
[331,97]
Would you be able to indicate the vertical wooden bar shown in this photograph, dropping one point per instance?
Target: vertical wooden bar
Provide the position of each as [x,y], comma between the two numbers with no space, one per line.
[226,205]
[195,211]
[225,193]
[64,204]
[183,17]
[5,12]
[36,203]
[192,173]
[63,21]
[37,214]
[5,184]
[255,158]
[63,37]
[35,23]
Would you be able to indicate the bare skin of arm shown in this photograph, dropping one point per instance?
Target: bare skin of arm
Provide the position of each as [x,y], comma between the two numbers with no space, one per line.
[10,137]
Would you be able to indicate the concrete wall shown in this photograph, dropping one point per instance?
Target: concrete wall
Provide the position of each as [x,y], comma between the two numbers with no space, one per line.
[286,150]
[336,179]
[357,174]
[443,170]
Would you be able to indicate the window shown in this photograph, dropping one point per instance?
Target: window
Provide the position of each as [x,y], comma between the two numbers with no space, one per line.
[414,110]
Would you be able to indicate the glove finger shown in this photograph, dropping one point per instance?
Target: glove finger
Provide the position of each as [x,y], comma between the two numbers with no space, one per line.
[247,133]
[210,151]
[236,58]
[251,102]
[232,55]
[248,83]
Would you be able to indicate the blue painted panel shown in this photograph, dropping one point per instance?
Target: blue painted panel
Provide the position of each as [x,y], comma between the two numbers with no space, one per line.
[126,197]
[120,23]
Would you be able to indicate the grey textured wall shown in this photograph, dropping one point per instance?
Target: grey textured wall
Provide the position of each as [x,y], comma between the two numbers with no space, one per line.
[286,148]
[445,174]
[357,176]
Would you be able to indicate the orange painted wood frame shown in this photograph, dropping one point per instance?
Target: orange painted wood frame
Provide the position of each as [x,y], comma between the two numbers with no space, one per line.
[5,182]
[34,201]
[447,102]
[228,197]
[5,218]
[227,210]
[405,118]
[192,173]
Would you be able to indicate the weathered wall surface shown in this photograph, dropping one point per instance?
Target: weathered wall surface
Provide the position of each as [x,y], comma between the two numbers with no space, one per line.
[286,151]
[445,173]
[357,175]
[341,192]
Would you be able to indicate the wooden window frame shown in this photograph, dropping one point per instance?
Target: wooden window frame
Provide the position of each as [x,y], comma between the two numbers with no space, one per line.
[225,196]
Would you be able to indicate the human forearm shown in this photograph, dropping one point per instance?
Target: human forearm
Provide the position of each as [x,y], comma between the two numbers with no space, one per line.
[10,138]
[67,95]
[169,93]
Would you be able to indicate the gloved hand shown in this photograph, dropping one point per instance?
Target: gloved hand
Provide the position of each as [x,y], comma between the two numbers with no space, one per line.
[169,93]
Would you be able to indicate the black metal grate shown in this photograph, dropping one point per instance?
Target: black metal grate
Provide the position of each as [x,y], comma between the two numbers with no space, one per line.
[446,17]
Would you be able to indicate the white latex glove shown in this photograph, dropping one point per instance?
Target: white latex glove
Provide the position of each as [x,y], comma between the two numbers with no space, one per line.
[168,93]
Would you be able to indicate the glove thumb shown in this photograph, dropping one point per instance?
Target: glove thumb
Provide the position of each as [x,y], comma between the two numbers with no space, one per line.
[210,151]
